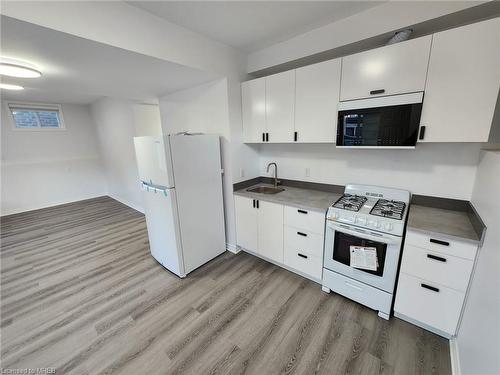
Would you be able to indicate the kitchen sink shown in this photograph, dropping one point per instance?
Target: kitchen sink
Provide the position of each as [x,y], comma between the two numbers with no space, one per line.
[265,190]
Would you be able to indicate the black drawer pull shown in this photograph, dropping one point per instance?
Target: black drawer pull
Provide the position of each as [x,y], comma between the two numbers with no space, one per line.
[254,203]
[302,212]
[440,259]
[434,289]
[257,203]
[295,136]
[439,242]
[302,234]
[379,91]
[422,133]
[263,137]
[267,137]
[302,255]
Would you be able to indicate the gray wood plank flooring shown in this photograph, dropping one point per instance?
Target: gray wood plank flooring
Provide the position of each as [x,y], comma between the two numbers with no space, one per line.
[81,293]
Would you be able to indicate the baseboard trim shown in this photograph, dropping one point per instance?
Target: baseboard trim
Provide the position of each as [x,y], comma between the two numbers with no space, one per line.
[127,203]
[455,357]
[232,248]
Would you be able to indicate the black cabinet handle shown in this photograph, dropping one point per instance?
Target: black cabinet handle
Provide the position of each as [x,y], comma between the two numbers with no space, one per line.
[263,137]
[375,92]
[302,255]
[267,137]
[257,203]
[302,234]
[421,135]
[302,212]
[295,136]
[439,242]
[434,289]
[254,203]
[440,259]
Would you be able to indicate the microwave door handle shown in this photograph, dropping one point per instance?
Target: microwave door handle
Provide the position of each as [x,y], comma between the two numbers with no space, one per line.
[363,234]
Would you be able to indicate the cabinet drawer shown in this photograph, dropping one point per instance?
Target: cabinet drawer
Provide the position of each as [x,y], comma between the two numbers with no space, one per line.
[304,241]
[441,244]
[305,263]
[311,221]
[436,267]
[439,308]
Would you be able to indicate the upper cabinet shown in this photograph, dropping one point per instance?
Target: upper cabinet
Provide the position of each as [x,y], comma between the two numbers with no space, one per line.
[253,97]
[280,107]
[462,83]
[394,69]
[317,90]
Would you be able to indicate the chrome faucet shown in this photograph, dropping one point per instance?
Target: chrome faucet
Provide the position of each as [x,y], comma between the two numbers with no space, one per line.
[275,174]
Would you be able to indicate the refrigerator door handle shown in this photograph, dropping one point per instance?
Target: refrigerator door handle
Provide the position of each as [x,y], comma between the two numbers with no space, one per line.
[156,189]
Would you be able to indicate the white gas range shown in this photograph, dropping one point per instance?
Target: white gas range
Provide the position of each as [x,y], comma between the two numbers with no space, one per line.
[365,220]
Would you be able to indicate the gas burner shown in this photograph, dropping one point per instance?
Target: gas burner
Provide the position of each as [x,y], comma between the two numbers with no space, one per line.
[350,202]
[389,208]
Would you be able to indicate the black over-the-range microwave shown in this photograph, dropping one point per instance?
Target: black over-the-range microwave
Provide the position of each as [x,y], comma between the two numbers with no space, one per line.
[386,121]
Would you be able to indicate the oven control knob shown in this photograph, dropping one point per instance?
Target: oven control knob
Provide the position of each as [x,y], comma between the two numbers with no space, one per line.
[361,220]
[388,226]
[376,224]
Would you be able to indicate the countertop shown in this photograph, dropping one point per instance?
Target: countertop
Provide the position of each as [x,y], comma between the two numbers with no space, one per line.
[314,200]
[448,223]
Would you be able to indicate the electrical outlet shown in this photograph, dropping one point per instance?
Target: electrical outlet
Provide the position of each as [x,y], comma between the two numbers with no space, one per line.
[308,172]
[242,172]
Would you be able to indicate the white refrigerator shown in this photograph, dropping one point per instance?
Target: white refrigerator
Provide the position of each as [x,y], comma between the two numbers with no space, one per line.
[181,180]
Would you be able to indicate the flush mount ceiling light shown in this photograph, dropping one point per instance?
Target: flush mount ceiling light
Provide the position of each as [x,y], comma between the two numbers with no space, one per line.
[20,70]
[6,86]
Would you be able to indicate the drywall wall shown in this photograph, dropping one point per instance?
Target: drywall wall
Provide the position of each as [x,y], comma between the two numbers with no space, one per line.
[147,119]
[479,333]
[381,19]
[49,167]
[439,169]
[116,129]
[205,109]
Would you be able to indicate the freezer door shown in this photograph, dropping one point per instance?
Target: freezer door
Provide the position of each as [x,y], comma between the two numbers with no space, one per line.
[197,168]
[163,229]
[153,160]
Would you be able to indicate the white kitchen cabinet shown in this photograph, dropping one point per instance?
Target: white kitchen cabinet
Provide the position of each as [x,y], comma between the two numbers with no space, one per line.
[280,107]
[317,90]
[246,223]
[395,69]
[462,83]
[253,97]
[433,281]
[270,232]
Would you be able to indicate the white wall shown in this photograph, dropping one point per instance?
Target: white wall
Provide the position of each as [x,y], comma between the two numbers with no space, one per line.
[445,170]
[147,119]
[46,168]
[205,109]
[116,129]
[378,20]
[479,334]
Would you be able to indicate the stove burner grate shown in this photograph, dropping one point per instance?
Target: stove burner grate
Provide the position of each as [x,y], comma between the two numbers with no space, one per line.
[388,208]
[350,202]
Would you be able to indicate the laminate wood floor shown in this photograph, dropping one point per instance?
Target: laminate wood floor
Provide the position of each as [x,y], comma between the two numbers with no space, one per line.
[80,293]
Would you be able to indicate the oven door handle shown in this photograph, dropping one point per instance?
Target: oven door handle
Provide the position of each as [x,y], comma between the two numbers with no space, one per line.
[361,233]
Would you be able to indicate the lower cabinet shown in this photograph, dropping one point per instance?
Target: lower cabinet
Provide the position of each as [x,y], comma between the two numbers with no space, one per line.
[289,236]
[433,281]
[259,227]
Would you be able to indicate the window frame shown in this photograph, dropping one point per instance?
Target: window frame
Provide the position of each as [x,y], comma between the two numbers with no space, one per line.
[35,106]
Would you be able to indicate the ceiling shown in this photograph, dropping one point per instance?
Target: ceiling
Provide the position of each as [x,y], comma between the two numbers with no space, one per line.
[77,70]
[252,25]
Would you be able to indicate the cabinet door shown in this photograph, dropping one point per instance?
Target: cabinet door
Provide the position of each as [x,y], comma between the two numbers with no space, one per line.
[271,230]
[316,100]
[462,83]
[253,97]
[246,223]
[280,103]
[398,68]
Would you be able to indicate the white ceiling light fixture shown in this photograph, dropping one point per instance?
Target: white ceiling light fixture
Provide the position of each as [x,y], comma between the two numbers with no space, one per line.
[19,69]
[6,86]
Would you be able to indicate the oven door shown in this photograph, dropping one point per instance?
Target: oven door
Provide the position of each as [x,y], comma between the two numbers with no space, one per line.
[391,121]
[339,238]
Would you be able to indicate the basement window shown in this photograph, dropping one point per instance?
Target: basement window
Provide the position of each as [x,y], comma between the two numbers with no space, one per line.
[36,116]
